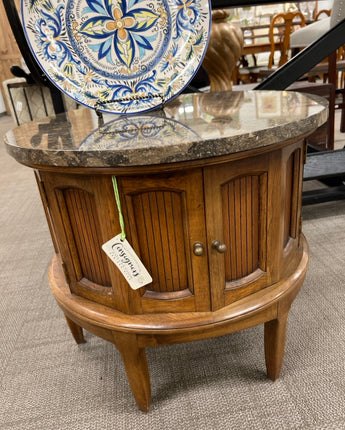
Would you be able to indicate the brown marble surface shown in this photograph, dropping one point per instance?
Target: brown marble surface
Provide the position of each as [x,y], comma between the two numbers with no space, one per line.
[191,127]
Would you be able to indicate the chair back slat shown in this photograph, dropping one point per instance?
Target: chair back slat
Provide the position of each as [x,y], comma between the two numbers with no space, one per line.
[286,24]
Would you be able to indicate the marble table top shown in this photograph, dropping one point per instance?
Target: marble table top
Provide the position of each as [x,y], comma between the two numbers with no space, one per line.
[191,127]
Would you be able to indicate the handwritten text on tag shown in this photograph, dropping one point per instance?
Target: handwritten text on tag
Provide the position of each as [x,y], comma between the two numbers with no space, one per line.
[127,261]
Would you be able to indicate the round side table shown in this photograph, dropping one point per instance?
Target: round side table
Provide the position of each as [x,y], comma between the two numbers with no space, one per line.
[210,192]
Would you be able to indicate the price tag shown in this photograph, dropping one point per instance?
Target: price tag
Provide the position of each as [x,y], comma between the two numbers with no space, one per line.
[127,261]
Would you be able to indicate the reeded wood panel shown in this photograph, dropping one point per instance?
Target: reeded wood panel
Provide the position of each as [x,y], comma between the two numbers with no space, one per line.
[84,223]
[292,192]
[288,202]
[160,227]
[242,218]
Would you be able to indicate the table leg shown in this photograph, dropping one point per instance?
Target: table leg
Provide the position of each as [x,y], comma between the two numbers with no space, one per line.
[275,334]
[76,330]
[134,359]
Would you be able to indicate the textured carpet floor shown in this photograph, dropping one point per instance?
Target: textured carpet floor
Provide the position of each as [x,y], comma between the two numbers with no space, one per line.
[50,383]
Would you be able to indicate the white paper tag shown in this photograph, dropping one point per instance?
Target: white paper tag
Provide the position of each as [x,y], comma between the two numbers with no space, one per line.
[127,261]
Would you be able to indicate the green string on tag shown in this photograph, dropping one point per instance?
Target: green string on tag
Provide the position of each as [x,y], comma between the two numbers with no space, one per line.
[117,198]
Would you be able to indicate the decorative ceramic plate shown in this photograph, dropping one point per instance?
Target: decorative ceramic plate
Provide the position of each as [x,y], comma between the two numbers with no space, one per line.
[120,56]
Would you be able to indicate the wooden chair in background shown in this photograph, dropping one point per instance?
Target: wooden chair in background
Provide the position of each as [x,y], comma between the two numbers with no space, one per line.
[336,63]
[278,45]
[281,28]
[320,13]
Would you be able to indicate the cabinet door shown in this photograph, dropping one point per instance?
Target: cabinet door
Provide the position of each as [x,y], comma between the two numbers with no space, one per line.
[242,200]
[164,217]
[82,214]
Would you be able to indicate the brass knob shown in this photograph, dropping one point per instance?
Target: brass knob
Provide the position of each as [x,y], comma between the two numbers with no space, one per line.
[198,249]
[219,246]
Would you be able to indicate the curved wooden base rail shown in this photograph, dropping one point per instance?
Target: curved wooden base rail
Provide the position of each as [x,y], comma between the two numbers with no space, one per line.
[131,334]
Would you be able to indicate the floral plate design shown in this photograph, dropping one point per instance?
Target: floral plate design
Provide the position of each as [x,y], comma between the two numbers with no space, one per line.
[120,56]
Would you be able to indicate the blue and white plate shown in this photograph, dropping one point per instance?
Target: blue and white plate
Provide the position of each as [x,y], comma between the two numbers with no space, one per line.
[124,56]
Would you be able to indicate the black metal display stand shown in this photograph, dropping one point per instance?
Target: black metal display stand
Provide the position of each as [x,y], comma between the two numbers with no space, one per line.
[36,75]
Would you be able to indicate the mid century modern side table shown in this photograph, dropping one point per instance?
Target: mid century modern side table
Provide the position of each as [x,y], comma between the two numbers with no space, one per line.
[210,191]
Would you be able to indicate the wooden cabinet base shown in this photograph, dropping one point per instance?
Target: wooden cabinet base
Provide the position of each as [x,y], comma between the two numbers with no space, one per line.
[133,333]
[211,205]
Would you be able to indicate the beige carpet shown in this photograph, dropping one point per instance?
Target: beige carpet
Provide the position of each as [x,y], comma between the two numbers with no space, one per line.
[50,383]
